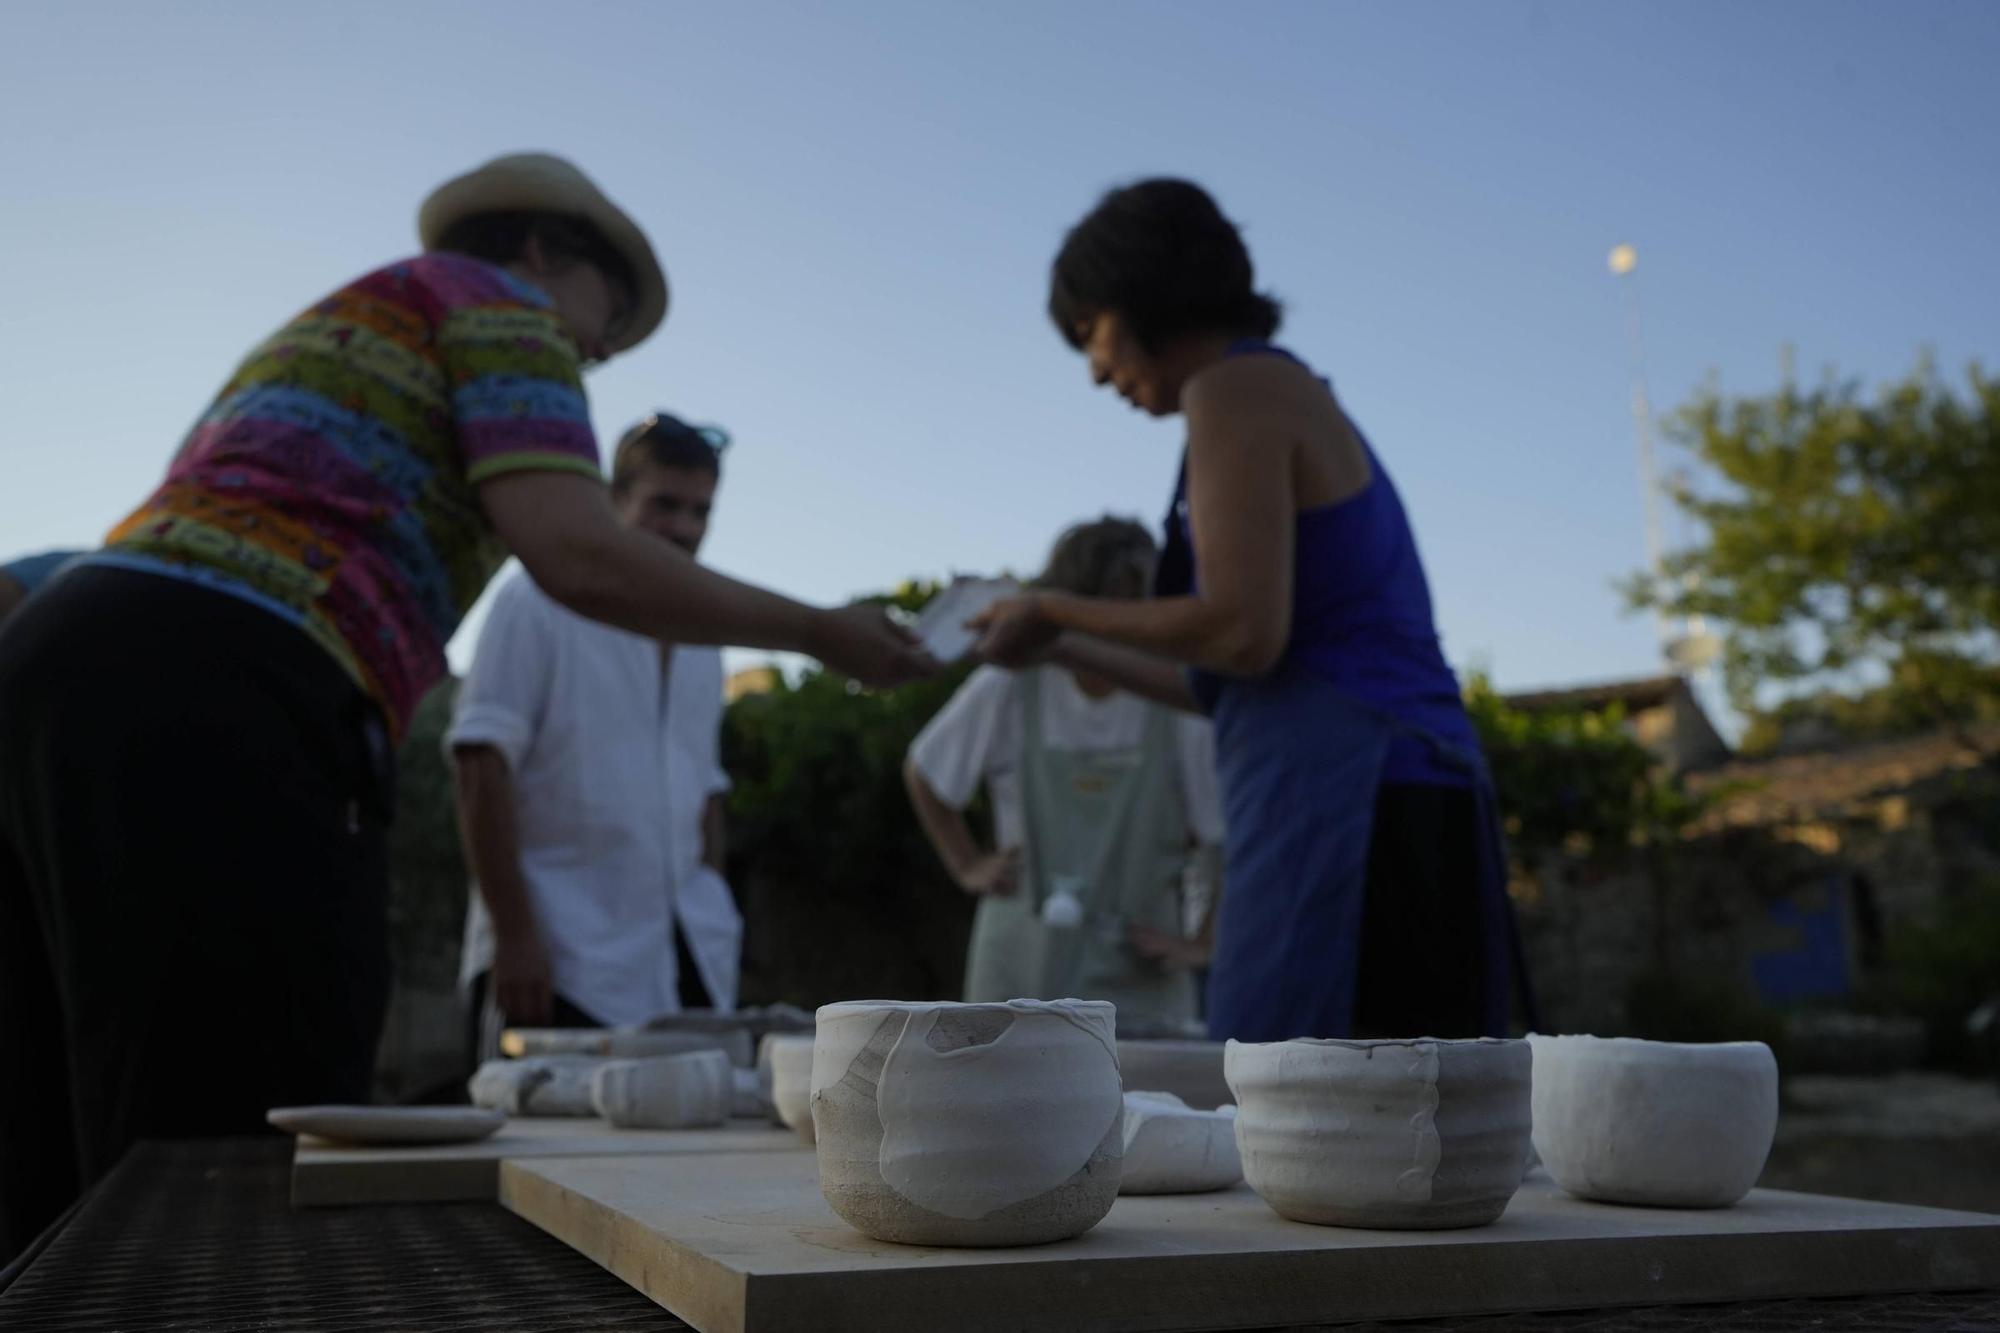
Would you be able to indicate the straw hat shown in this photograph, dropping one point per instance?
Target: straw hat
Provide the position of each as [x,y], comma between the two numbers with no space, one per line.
[544,183]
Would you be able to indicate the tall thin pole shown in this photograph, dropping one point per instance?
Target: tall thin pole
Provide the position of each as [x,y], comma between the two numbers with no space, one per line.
[1689,649]
[1624,263]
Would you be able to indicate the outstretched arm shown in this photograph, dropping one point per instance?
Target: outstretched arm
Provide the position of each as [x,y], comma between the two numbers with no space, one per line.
[562,527]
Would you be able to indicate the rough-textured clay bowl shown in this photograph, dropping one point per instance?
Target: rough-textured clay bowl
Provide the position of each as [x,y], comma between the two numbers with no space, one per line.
[968,1124]
[1406,1134]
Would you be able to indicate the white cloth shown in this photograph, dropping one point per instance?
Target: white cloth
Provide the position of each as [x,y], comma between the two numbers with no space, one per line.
[613,762]
[976,738]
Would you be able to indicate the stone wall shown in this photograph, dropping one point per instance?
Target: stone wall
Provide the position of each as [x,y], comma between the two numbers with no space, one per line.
[1712,907]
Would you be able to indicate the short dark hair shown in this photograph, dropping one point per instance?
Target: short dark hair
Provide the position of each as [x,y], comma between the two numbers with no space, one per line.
[1086,556]
[664,440]
[1161,255]
[502,238]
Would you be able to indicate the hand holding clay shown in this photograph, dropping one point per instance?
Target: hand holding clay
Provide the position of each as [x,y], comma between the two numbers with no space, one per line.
[861,641]
[944,627]
[1015,632]
[994,874]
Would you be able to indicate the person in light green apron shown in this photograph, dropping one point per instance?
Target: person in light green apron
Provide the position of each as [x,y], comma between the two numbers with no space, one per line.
[1102,802]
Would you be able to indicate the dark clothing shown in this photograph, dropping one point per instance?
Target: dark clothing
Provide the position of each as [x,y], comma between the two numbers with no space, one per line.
[693,991]
[1367,874]
[1361,615]
[564,1013]
[193,878]
[1423,965]
[1315,840]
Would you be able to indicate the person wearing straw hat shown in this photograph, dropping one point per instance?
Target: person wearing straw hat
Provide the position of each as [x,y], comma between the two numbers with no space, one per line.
[193,877]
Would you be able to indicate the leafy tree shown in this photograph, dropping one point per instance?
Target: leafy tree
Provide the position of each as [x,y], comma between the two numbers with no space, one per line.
[1847,539]
[1902,706]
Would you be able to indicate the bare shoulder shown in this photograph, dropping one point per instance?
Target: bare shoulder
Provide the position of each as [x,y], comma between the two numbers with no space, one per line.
[1243,400]
[1240,386]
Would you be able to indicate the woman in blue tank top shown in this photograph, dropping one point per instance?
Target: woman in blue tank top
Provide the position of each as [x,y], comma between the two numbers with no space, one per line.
[1366,878]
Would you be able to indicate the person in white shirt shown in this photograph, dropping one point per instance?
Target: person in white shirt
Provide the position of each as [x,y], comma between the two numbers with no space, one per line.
[590,789]
[1101,803]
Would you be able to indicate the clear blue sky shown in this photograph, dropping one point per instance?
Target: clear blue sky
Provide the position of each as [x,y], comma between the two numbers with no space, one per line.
[857,204]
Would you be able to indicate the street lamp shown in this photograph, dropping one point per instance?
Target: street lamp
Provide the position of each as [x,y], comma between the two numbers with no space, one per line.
[1690,648]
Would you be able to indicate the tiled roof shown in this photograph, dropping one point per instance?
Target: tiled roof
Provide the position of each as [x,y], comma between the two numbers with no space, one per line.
[1647,692]
[1826,785]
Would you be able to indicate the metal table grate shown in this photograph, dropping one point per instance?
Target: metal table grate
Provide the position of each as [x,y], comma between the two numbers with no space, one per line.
[201,1235]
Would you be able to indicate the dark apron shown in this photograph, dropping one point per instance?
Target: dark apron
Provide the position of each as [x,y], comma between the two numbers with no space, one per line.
[1300,762]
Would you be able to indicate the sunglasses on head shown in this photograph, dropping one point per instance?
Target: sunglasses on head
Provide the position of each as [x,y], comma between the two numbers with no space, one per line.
[666,425]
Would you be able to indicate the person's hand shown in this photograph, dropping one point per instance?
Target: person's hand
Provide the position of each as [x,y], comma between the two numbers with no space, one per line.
[861,641]
[992,875]
[1015,632]
[523,984]
[1165,947]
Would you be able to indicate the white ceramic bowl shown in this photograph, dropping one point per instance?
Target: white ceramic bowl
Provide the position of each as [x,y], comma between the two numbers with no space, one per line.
[791,1081]
[689,1091]
[1406,1134]
[968,1124]
[1172,1148]
[1672,1124]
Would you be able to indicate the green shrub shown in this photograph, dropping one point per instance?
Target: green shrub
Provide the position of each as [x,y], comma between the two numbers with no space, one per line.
[841,892]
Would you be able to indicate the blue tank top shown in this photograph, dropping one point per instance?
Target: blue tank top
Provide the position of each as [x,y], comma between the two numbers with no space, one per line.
[1361,614]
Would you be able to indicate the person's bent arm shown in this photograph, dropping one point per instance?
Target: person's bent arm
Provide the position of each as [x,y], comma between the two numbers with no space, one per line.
[562,527]
[1144,674]
[1192,951]
[521,981]
[1244,418]
[951,837]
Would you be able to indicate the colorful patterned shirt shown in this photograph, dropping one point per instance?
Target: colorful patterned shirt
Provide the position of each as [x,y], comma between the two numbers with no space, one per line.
[333,481]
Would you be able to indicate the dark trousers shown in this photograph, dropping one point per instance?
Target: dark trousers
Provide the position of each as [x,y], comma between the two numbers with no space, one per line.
[563,1013]
[193,878]
[1423,942]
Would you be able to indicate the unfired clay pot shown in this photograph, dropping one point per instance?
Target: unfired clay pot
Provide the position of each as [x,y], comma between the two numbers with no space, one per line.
[541,1085]
[791,1082]
[1678,1125]
[1407,1134]
[688,1091]
[1171,1148]
[968,1124]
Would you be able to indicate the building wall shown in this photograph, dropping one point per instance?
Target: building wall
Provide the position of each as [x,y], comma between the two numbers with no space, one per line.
[1748,908]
